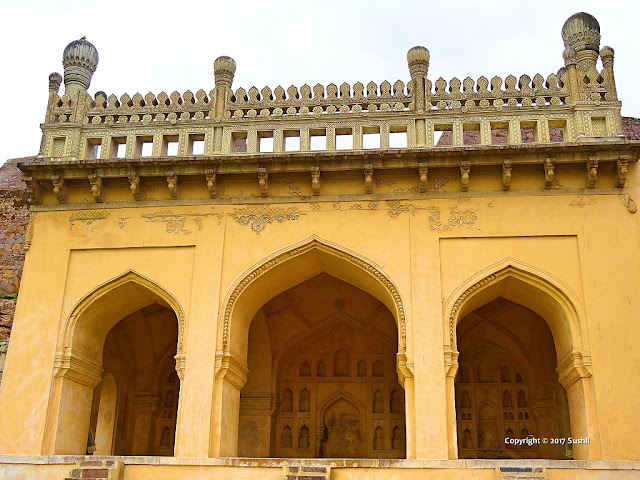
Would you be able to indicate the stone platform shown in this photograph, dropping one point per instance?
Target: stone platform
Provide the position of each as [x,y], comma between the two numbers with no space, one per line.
[23,467]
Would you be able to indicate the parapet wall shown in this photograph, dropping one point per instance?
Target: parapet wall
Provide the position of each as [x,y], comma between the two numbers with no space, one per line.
[577,103]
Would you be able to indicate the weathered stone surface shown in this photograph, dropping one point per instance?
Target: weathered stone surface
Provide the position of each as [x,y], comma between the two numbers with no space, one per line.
[14,217]
[7,308]
[630,128]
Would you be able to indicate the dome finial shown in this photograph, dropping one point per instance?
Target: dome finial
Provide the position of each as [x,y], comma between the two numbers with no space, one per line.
[224,68]
[581,32]
[418,60]
[80,59]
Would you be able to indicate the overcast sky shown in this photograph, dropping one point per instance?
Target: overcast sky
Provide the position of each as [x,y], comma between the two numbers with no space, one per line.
[170,45]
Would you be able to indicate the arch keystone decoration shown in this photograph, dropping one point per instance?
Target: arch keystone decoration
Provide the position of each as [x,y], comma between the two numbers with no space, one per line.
[299,249]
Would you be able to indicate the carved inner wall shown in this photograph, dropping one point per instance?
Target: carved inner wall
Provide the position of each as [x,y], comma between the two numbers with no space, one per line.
[138,352]
[507,385]
[331,388]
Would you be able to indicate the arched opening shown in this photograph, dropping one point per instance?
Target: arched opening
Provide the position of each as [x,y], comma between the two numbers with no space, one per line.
[116,386]
[322,321]
[500,342]
[518,338]
[251,407]
[138,355]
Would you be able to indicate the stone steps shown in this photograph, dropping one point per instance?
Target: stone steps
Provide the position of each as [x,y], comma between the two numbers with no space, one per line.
[97,470]
[521,473]
[307,472]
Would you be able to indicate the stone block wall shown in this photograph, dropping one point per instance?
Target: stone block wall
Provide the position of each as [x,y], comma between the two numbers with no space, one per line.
[631,127]
[14,218]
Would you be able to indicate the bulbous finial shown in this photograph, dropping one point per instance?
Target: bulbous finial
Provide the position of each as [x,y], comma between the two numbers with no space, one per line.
[607,54]
[224,69]
[582,32]
[418,59]
[55,79]
[80,59]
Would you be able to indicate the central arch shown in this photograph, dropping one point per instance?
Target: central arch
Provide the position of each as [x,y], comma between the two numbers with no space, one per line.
[274,275]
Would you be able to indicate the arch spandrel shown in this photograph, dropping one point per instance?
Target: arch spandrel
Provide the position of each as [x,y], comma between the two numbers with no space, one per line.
[98,311]
[292,266]
[530,287]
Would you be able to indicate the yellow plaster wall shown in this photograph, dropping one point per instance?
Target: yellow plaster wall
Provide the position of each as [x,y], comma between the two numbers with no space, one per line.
[34,472]
[410,474]
[195,472]
[427,247]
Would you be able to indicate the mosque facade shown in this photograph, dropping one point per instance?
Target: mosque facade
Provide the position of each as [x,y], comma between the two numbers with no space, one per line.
[437,279]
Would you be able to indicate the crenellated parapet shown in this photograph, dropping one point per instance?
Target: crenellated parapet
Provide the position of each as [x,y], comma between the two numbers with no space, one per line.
[421,118]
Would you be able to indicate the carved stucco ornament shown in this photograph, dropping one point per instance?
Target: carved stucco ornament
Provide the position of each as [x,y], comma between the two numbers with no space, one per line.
[423,179]
[549,172]
[315,180]
[97,189]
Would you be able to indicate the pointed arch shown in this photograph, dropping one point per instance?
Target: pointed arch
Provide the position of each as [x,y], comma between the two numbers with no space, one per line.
[270,277]
[564,314]
[346,396]
[530,287]
[78,363]
[316,255]
[123,294]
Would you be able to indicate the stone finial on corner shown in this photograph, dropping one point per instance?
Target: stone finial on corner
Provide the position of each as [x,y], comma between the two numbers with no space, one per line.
[607,55]
[224,68]
[80,59]
[55,79]
[570,56]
